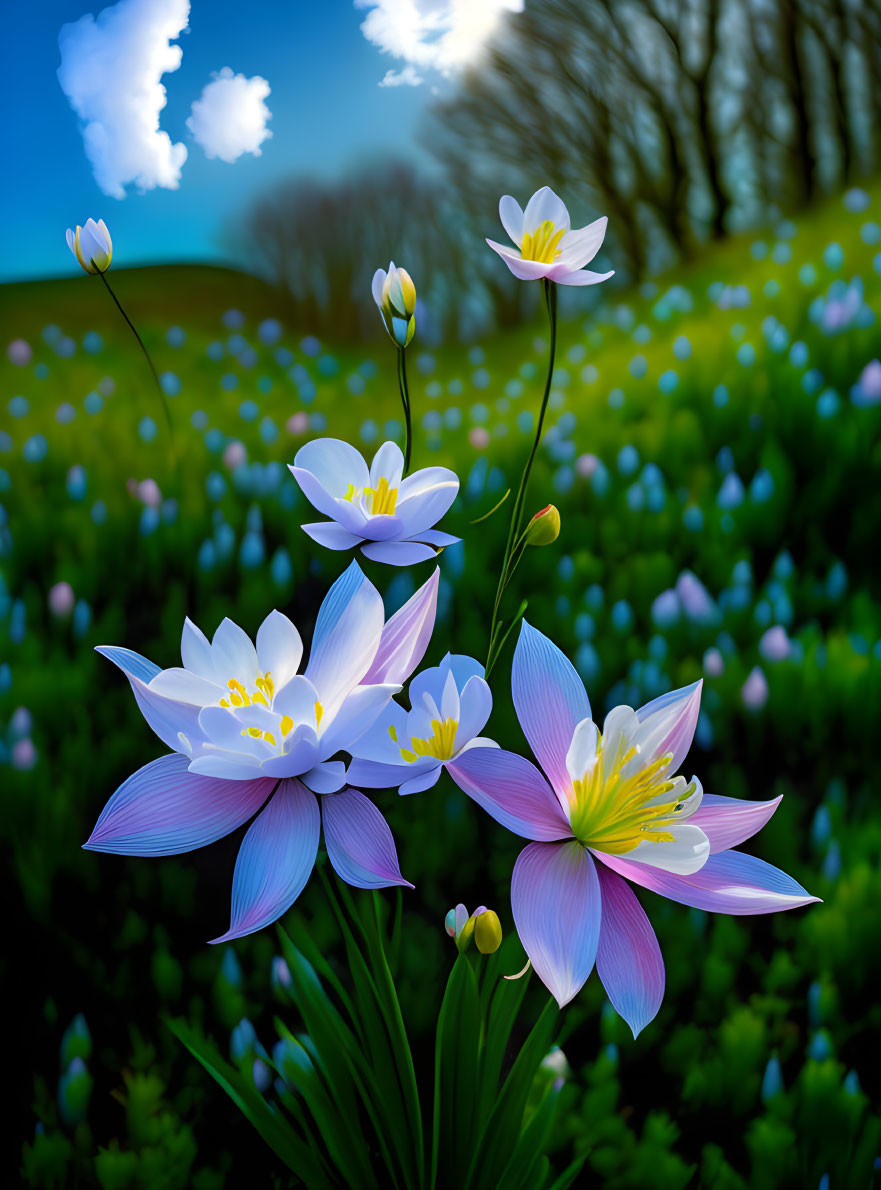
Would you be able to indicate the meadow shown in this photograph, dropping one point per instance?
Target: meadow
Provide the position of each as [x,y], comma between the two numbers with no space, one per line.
[714,448]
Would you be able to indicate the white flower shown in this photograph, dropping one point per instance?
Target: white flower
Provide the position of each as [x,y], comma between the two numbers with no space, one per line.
[546,244]
[388,517]
[91,245]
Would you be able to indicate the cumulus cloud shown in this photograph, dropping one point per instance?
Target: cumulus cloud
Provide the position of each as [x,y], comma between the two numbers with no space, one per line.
[229,118]
[436,35]
[111,67]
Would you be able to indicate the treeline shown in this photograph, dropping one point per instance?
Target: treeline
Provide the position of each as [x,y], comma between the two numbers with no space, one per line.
[683,120]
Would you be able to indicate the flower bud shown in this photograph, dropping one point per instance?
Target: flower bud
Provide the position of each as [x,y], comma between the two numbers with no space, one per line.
[395,296]
[91,245]
[74,1092]
[487,931]
[544,527]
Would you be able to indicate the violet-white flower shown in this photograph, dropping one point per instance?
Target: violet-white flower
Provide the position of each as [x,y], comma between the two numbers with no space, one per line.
[92,246]
[450,705]
[547,246]
[390,518]
[613,797]
[249,733]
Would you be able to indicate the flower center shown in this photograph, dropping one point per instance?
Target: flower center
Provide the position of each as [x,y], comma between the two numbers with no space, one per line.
[542,244]
[378,501]
[262,695]
[617,805]
[439,744]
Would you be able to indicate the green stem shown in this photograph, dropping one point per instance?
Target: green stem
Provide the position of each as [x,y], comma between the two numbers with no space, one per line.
[150,364]
[550,291]
[405,401]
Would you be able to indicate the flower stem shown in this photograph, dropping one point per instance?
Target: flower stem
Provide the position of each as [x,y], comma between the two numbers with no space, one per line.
[405,401]
[152,367]
[550,291]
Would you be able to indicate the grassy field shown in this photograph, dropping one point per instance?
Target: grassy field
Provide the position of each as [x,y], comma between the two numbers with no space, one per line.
[714,448]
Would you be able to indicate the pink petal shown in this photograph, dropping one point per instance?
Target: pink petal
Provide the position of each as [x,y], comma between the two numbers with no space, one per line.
[358,840]
[405,637]
[557,905]
[629,959]
[512,790]
[727,821]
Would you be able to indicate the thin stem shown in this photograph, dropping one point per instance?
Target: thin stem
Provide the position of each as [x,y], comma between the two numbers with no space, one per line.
[550,291]
[405,401]
[155,374]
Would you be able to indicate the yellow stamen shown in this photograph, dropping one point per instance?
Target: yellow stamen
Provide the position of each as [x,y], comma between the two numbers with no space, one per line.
[286,724]
[393,733]
[319,711]
[542,244]
[615,812]
[379,501]
[439,744]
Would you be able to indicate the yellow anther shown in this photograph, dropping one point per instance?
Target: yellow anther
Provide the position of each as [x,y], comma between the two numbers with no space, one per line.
[286,724]
[541,245]
[319,711]
[224,702]
[439,744]
[379,501]
[393,733]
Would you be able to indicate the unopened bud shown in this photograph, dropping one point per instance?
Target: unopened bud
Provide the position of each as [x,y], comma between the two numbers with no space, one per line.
[487,931]
[544,527]
[395,295]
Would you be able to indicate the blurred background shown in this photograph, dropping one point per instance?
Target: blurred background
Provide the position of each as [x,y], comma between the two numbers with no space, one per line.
[713,445]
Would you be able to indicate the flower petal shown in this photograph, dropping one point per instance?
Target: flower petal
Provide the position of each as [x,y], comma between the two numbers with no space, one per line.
[328,777]
[346,637]
[333,464]
[525,270]
[557,907]
[424,497]
[629,959]
[731,882]
[398,553]
[163,809]
[727,821]
[683,855]
[667,724]
[234,653]
[378,774]
[169,718]
[564,276]
[196,654]
[405,637]
[185,686]
[512,791]
[132,664]
[331,535]
[475,707]
[579,246]
[388,463]
[279,648]
[550,701]
[543,205]
[419,782]
[376,286]
[357,714]
[359,843]
[275,859]
[511,215]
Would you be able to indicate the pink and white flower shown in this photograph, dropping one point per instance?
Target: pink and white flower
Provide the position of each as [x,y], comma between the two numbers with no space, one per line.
[612,796]
[249,733]
[546,245]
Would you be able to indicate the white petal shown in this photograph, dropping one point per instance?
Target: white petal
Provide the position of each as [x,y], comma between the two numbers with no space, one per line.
[279,648]
[525,270]
[184,686]
[543,205]
[582,753]
[511,215]
[578,248]
[388,463]
[687,853]
[233,653]
[564,276]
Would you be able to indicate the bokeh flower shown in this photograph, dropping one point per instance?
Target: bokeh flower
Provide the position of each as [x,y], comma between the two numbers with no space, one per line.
[249,733]
[450,706]
[546,245]
[91,245]
[390,518]
[613,797]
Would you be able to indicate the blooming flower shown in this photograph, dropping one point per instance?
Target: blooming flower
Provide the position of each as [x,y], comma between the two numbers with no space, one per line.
[91,245]
[450,705]
[612,796]
[395,296]
[250,734]
[546,244]
[388,517]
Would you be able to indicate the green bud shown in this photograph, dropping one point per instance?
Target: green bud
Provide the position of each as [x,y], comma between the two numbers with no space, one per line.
[544,527]
[487,931]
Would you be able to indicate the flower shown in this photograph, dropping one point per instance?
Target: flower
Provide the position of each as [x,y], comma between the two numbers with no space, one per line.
[395,295]
[91,245]
[544,527]
[250,734]
[450,705]
[546,244]
[612,797]
[388,517]
[483,926]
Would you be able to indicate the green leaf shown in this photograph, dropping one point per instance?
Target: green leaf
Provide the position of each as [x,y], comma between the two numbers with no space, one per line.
[570,1173]
[271,1125]
[502,1129]
[501,1004]
[455,1087]
[521,1171]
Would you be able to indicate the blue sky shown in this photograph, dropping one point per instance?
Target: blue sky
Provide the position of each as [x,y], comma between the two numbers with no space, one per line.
[328,112]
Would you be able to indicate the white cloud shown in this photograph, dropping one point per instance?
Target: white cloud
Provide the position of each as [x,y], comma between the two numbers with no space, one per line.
[436,35]
[229,118]
[111,67]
